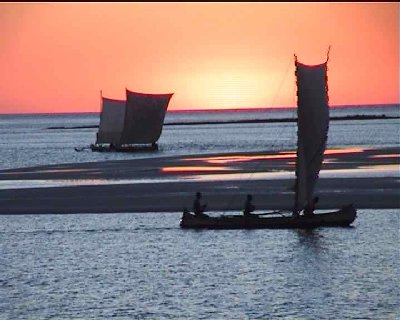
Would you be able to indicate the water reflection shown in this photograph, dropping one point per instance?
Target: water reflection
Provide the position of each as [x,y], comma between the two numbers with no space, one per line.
[369,171]
[377,171]
[385,156]
[243,176]
[181,169]
[50,183]
[343,151]
[310,238]
[37,171]
[365,171]
[276,156]
[244,158]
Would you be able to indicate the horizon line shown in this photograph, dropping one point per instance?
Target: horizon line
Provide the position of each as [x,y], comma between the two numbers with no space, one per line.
[247,109]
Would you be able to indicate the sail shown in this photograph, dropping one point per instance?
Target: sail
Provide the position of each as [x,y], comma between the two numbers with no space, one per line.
[313,124]
[144,117]
[111,121]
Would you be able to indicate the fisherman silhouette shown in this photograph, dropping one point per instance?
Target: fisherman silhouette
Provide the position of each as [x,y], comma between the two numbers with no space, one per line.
[248,206]
[198,208]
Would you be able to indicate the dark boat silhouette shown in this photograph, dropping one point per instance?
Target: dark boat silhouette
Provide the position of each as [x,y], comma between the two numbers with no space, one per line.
[134,124]
[312,134]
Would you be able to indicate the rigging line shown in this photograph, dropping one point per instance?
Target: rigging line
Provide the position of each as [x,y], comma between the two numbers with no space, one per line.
[273,144]
[281,84]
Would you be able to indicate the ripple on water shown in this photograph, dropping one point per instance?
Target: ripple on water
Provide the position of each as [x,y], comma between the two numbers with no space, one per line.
[144,266]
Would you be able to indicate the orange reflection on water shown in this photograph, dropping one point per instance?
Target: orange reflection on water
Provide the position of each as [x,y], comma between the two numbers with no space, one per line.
[229,159]
[343,151]
[193,169]
[293,163]
[277,156]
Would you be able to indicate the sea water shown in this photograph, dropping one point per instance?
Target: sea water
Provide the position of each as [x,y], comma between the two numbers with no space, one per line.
[26,140]
[143,266]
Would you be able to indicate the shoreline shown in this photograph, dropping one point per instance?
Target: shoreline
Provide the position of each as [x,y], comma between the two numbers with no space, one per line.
[278,120]
[205,173]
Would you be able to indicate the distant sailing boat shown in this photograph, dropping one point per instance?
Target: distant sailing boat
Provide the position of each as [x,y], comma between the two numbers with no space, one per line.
[313,125]
[131,125]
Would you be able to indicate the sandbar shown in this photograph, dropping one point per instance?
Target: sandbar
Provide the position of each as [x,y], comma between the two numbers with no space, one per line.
[368,178]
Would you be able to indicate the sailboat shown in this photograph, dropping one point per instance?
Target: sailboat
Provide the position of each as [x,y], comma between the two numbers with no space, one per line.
[312,134]
[133,124]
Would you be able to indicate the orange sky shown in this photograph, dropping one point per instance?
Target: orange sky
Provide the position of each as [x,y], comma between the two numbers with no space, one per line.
[55,57]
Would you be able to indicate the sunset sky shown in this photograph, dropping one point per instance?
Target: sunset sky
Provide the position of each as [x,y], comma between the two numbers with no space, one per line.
[56,57]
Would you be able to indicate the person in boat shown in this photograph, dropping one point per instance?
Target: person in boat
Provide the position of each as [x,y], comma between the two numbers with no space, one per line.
[186,212]
[198,207]
[310,207]
[248,206]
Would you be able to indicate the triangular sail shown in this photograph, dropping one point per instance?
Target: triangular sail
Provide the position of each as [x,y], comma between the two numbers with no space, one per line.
[111,121]
[313,124]
[144,117]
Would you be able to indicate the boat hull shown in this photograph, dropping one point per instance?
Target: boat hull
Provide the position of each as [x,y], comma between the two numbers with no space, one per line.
[127,148]
[341,218]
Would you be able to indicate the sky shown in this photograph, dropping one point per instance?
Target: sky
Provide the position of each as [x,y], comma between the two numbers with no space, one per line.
[56,57]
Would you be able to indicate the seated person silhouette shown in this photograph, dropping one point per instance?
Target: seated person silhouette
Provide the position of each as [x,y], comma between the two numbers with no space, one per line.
[248,206]
[310,207]
[186,213]
[199,208]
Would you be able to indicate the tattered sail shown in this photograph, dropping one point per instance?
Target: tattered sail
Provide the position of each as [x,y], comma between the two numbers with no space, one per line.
[111,121]
[144,117]
[137,120]
[313,124]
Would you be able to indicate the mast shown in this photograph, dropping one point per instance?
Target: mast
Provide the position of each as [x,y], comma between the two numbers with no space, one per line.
[101,112]
[296,204]
[124,123]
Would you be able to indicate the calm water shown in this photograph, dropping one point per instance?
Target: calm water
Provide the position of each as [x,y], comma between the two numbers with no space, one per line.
[143,266]
[25,140]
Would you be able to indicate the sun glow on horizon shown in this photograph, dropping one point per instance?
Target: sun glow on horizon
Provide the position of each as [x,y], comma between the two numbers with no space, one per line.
[56,57]
[229,90]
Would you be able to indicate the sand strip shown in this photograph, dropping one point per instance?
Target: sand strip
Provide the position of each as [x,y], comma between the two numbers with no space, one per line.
[222,195]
